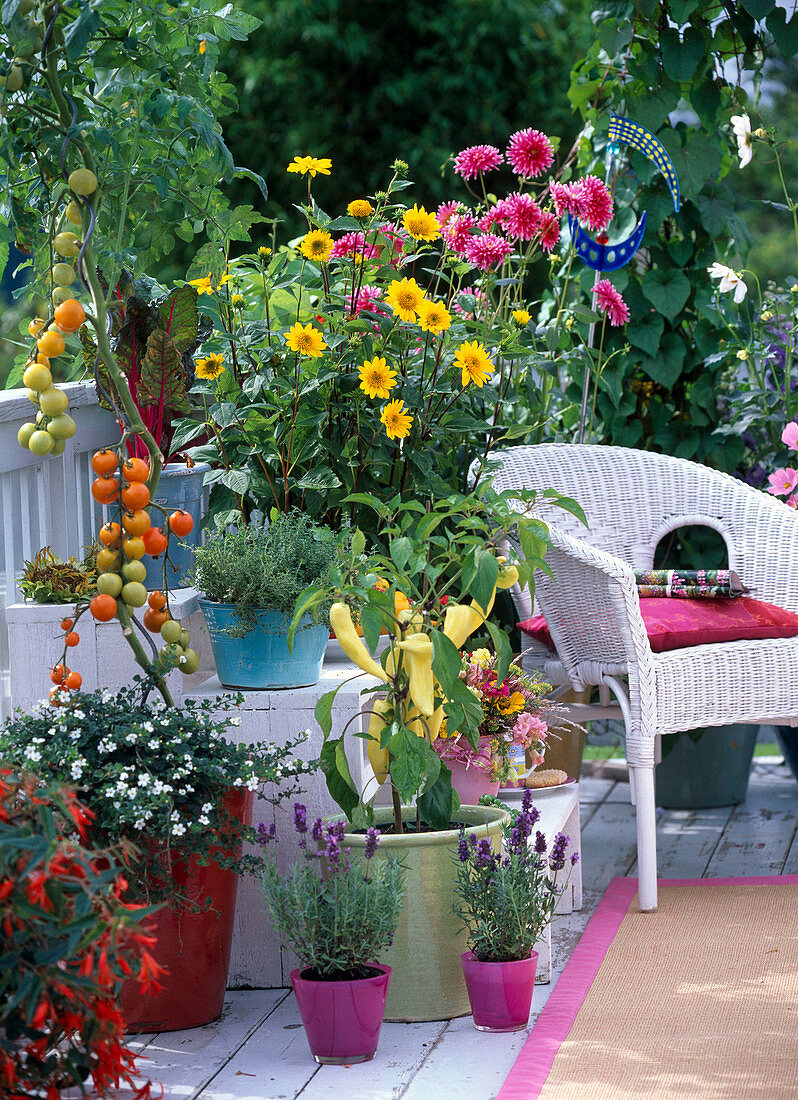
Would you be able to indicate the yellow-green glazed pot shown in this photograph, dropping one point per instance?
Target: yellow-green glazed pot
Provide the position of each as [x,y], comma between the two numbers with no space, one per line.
[427,980]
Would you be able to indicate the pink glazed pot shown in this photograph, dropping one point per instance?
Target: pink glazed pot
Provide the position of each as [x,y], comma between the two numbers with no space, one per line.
[500,993]
[342,1019]
[471,782]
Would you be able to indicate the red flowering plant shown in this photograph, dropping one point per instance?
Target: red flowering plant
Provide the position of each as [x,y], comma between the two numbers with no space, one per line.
[68,939]
[389,347]
[513,731]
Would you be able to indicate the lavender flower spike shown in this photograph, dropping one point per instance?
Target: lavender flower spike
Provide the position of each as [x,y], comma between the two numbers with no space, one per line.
[372,840]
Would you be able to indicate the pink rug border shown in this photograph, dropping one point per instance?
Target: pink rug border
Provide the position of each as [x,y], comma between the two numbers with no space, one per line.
[533,1064]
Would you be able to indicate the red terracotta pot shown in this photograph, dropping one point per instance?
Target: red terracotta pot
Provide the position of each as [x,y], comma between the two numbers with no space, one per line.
[500,993]
[194,947]
[342,1019]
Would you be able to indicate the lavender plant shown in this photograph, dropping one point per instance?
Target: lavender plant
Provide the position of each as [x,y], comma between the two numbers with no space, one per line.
[507,901]
[335,915]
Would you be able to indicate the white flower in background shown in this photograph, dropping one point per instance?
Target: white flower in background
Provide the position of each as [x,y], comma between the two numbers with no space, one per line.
[78,714]
[253,783]
[131,738]
[178,830]
[149,727]
[174,816]
[235,721]
[139,823]
[144,779]
[207,807]
[203,820]
[154,743]
[741,128]
[32,754]
[729,280]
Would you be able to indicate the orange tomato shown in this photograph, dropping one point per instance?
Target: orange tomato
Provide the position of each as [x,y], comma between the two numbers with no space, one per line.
[67,624]
[58,674]
[134,548]
[51,343]
[109,534]
[154,541]
[107,560]
[135,496]
[154,619]
[105,490]
[103,608]
[181,523]
[104,461]
[72,639]
[135,469]
[69,315]
[136,523]
[157,600]
[73,681]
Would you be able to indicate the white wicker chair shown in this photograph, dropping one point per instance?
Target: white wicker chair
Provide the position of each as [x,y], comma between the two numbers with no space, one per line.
[631,500]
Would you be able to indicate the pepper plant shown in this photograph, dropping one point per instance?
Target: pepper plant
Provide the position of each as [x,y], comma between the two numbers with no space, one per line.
[445,563]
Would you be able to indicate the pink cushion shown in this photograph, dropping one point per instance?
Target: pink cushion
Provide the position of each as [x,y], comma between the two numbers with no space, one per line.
[677,624]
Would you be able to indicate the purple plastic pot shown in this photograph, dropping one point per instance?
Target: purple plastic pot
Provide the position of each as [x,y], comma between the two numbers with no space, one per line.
[342,1019]
[500,993]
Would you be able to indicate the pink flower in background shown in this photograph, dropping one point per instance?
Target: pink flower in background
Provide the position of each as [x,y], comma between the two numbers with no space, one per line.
[549,231]
[790,436]
[594,202]
[445,212]
[530,152]
[529,728]
[534,758]
[352,244]
[783,482]
[367,298]
[457,233]
[522,217]
[610,302]
[475,159]
[487,251]
[565,199]
[396,242]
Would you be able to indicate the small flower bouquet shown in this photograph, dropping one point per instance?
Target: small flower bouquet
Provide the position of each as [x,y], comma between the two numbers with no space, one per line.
[513,729]
[507,901]
[335,915]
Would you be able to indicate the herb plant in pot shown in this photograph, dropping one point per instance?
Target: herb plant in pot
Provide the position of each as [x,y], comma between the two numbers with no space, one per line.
[177,795]
[338,917]
[445,560]
[506,903]
[251,577]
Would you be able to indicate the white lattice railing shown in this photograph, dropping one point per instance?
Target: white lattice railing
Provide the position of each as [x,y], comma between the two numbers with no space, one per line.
[45,501]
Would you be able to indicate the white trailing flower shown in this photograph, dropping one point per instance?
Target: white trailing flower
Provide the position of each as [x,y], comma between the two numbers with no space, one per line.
[235,721]
[729,280]
[178,830]
[741,128]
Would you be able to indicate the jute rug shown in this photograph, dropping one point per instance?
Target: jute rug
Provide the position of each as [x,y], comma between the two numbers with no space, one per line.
[696,1000]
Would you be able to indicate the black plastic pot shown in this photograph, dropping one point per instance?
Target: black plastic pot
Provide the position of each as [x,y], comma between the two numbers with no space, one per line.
[787,737]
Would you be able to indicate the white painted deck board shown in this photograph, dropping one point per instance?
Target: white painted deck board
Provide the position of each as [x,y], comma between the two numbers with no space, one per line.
[258,1050]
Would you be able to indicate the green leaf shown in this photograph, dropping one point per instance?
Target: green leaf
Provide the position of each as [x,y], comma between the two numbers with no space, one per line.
[407,762]
[681,57]
[259,181]
[322,712]
[400,550]
[647,333]
[504,653]
[436,804]
[487,572]
[78,34]
[179,318]
[445,661]
[667,366]
[371,625]
[667,291]
[784,34]
[320,477]
[336,771]
[237,481]
[185,431]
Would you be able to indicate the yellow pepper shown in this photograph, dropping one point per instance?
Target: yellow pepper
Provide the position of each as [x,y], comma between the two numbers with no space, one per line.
[508,575]
[418,655]
[379,759]
[457,623]
[351,643]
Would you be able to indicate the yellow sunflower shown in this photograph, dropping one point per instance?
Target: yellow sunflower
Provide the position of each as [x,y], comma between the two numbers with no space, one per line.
[305,340]
[211,366]
[312,165]
[521,316]
[359,208]
[434,317]
[405,297]
[512,704]
[474,362]
[317,245]
[376,378]
[421,225]
[397,422]
[237,301]
[205,286]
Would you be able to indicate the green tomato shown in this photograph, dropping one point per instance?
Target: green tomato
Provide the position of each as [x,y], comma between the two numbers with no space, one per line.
[60,294]
[73,213]
[24,434]
[58,447]
[189,662]
[62,426]
[184,639]
[134,571]
[171,631]
[33,395]
[41,443]
[37,377]
[134,594]
[53,402]
[82,181]
[109,584]
[66,244]
[13,79]
[63,274]
[172,653]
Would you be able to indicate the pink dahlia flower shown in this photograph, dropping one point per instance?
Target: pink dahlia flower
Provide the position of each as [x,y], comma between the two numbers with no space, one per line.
[565,199]
[549,231]
[475,159]
[368,298]
[522,217]
[351,244]
[530,152]
[790,436]
[783,482]
[445,212]
[487,250]
[457,233]
[497,215]
[594,203]
[609,301]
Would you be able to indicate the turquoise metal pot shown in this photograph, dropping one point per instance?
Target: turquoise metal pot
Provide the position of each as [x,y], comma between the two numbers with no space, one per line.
[711,770]
[260,659]
[179,487]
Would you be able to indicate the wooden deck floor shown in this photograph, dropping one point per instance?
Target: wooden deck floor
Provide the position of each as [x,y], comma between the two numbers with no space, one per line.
[258,1051]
